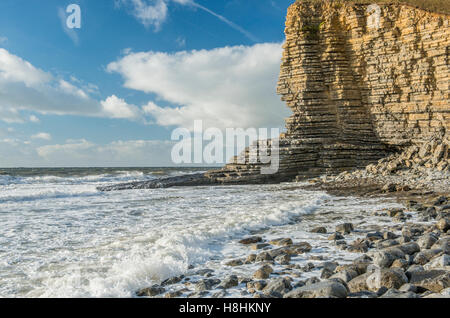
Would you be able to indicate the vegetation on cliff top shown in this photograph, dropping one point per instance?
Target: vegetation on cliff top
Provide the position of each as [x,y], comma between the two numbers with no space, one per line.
[440,6]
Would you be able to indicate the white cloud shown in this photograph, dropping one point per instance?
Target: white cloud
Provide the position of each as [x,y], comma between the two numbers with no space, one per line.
[26,87]
[42,135]
[117,108]
[3,39]
[72,89]
[34,119]
[225,87]
[16,70]
[155,12]
[148,12]
[181,41]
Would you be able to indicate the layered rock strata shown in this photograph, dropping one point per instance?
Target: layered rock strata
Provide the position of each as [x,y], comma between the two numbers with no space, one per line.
[362,82]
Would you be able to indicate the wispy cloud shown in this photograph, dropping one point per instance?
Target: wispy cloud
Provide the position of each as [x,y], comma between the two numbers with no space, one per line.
[221,18]
[3,40]
[42,135]
[155,12]
[151,13]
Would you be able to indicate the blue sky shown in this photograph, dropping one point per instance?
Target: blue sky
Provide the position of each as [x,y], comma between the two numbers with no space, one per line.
[111,92]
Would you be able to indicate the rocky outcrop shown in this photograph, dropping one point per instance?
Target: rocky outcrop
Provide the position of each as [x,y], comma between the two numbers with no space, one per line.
[359,88]
[362,83]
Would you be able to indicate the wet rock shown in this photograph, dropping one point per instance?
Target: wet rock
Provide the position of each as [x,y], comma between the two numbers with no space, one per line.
[152,291]
[434,280]
[358,283]
[235,262]
[359,246]
[408,288]
[274,295]
[250,259]
[400,263]
[172,280]
[394,293]
[443,224]
[409,248]
[298,248]
[229,282]
[263,272]
[281,242]
[440,201]
[346,275]
[412,269]
[256,285]
[283,259]
[395,212]
[389,236]
[331,266]
[427,241]
[443,244]
[439,262]
[430,212]
[206,284]
[279,285]
[344,228]
[374,236]
[335,237]
[311,281]
[320,229]
[219,294]
[326,273]
[391,187]
[412,231]
[204,272]
[327,289]
[395,251]
[176,294]
[308,267]
[420,259]
[382,291]
[389,278]
[386,243]
[244,280]
[251,240]
[198,294]
[262,257]
[363,294]
[259,246]
[383,259]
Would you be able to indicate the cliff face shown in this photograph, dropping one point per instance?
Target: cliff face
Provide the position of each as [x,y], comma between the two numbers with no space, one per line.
[352,76]
[360,83]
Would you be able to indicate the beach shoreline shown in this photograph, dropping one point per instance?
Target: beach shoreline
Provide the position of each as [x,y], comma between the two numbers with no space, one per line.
[400,253]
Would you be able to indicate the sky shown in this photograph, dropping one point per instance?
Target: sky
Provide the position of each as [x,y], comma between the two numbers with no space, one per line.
[111,92]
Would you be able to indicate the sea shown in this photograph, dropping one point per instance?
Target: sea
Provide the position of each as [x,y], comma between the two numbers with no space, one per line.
[61,237]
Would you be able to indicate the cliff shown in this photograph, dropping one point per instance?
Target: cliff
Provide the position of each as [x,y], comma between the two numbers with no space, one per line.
[361,83]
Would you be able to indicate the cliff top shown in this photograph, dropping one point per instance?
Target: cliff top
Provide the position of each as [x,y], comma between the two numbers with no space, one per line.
[438,6]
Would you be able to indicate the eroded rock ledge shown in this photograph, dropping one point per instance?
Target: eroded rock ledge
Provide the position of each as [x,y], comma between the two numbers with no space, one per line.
[358,91]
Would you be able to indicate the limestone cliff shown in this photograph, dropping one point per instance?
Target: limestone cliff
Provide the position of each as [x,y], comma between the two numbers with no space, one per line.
[360,86]
[361,82]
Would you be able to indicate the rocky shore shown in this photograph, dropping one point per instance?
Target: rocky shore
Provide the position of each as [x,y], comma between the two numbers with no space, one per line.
[373,99]
[401,253]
